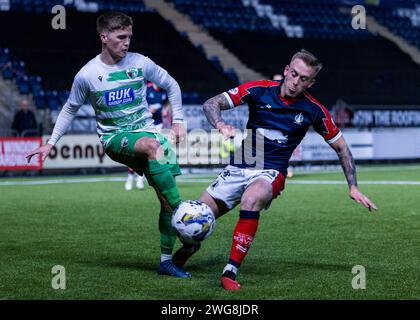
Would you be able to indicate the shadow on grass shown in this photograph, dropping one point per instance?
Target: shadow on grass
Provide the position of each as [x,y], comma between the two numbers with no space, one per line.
[292,269]
[140,263]
[127,264]
[316,265]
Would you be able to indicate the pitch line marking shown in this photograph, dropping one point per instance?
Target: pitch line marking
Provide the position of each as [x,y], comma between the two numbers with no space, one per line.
[121,179]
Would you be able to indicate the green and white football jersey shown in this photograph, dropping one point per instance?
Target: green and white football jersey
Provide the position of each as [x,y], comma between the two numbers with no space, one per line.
[118,93]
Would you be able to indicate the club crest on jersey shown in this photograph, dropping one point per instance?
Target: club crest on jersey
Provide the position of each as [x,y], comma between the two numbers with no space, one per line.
[298,119]
[120,96]
[132,73]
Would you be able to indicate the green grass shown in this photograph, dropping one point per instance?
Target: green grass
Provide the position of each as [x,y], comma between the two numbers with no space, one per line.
[307,243]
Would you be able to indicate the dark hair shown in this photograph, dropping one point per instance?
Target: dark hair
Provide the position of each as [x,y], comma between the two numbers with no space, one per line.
[113,20]
[309,59]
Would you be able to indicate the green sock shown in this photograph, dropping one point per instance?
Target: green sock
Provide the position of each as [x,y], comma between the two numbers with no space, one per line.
[167,233]
[163,179]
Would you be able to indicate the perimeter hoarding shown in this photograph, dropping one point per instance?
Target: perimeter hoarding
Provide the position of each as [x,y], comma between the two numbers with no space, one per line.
[13,152]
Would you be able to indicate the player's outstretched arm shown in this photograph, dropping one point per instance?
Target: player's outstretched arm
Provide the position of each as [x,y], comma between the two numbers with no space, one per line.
[44,151]
[64,119]
[349,168]
[212,109]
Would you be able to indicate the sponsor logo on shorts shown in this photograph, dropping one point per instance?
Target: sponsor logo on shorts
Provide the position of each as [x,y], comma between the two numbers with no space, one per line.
[124,142]
[271,173]
[225,173]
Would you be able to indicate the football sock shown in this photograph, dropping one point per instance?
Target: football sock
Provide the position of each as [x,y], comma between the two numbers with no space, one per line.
[188,248]
[164,257]
[230,271]
[167,233]
[243,236]
[163,179]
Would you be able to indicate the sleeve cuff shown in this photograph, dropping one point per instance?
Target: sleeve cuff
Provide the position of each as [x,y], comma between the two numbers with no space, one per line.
[337,136]
[229,99]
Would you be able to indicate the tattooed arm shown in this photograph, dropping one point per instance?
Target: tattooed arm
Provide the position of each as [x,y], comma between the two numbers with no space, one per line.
[349,168]
[212,109]
[346,160]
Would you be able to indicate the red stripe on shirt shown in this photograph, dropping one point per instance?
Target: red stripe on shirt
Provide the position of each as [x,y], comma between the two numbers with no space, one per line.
[332,129]
[243,90]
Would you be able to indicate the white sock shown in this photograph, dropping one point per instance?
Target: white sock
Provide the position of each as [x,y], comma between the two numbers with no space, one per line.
[164,257]
[230,267]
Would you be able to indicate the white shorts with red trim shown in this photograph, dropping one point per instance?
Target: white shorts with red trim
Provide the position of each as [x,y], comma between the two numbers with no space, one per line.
[233,181]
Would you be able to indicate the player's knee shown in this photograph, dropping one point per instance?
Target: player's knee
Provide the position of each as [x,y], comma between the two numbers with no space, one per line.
[147,147]
[254,202]
[208,200]
[250,202]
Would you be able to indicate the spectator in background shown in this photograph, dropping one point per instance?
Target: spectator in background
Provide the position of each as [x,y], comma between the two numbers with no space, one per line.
[24,121]
[166,116]
[342,114]
[131,176]
[156,98]
[278,77]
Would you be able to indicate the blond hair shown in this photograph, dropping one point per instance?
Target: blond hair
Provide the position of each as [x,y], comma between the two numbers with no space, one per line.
[309,59]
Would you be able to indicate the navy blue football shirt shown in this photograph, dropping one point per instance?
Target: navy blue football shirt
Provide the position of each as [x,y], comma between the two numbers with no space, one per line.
[278,124]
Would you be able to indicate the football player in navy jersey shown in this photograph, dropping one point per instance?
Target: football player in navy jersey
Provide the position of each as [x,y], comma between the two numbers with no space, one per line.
[280,114]
[290,174]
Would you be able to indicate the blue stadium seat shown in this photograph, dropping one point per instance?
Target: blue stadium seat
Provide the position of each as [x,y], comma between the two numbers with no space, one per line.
[40,100]
[216,63]
[23,84]
[232,75]
[8,73]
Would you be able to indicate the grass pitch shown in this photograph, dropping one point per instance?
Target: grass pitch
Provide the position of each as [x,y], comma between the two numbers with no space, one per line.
[307,244]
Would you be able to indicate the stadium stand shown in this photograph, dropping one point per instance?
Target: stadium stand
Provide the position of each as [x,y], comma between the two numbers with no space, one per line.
[403,20]
[57,55]
[226,15]
[360,67]
[360,72]
[44,6]
[320,19]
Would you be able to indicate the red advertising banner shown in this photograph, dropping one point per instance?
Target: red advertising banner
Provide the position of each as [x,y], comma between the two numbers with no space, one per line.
[14,150]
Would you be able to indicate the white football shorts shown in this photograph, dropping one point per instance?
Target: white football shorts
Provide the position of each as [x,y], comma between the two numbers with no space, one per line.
[233,181]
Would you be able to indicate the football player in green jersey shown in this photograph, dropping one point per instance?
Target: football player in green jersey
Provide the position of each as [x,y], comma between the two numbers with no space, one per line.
[115,84]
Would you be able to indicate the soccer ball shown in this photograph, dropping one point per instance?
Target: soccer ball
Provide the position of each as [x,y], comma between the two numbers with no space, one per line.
[193,221]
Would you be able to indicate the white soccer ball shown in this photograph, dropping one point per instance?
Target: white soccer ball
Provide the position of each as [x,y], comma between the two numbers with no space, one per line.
[193,221]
